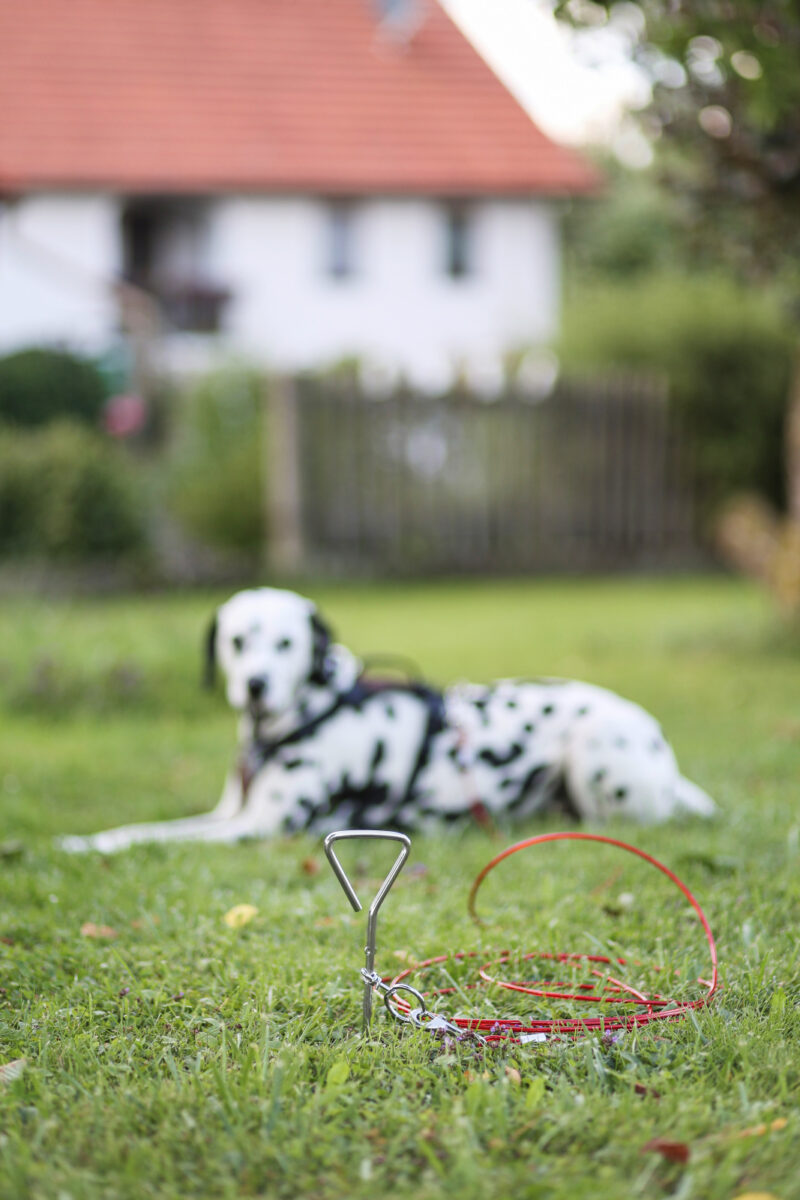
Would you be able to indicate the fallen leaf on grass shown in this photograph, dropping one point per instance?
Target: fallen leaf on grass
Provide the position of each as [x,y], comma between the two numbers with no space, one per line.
[759,1130]
[239,915]
[756,1196]
[513,1075]
[140,923]
[100,932]
[12,1070]
[642,1090]
[674,1151]
[310,866]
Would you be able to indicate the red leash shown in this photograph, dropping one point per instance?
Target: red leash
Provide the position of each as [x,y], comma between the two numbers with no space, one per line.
[648,1008]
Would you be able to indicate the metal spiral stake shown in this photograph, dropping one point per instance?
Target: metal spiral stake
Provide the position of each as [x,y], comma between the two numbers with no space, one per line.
[372,915]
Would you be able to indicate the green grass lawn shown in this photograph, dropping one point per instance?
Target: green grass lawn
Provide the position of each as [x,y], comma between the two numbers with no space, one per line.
[184,1058]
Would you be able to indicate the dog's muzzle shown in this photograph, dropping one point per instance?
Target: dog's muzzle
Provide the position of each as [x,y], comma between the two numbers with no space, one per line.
[257,690]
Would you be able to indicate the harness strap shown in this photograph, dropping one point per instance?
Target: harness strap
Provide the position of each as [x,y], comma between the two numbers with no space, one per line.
[261,751]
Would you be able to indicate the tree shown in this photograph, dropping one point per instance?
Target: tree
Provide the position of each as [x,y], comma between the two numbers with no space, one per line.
[726,111]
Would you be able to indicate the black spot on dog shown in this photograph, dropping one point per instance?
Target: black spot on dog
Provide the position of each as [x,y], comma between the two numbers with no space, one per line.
[528,786]
[449,817]
[599,776]
[620,793]
[391,712]
[548,710]
[511,704]
[582,711]
[378,755]
[561,801]
[507,783]
[453,753]
[293,763]
[501,760]
[529,727]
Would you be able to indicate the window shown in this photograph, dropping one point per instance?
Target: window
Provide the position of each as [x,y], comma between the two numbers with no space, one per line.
[340,252]
[458,242]
[164,247]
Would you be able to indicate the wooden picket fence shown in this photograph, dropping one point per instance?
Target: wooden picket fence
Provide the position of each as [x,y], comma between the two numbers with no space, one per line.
[595,477]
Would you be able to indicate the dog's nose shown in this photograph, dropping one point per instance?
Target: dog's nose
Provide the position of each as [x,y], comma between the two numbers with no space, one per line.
[256,686]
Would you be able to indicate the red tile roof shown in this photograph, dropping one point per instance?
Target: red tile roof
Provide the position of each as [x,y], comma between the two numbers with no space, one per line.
[301,95]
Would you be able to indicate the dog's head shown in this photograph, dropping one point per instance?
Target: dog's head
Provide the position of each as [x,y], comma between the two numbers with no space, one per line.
[270,644]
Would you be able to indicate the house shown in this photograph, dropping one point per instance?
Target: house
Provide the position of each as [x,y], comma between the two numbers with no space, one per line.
[294,181]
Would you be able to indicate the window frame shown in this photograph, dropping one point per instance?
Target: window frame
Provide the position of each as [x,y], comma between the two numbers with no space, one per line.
[341,260]
[459,241]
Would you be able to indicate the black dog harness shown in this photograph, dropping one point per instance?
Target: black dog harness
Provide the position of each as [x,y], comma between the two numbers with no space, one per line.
[261,750]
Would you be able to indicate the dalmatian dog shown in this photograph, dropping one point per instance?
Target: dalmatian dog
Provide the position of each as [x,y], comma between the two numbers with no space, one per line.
[324,746]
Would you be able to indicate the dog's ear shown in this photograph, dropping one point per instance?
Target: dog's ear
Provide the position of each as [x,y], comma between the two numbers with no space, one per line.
[210,655]
[322,639]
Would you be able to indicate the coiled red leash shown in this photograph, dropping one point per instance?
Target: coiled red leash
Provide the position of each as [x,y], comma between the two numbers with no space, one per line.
[614,991]
[603,987]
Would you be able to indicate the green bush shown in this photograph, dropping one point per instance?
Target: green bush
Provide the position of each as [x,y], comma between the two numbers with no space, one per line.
[216,488]
[40,385]
[65,493]
[727,354]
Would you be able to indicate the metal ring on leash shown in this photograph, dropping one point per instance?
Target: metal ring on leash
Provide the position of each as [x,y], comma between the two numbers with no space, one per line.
[409,1016]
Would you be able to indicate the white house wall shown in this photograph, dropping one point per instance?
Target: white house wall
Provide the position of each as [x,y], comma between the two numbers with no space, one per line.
[399,308]
[59,255]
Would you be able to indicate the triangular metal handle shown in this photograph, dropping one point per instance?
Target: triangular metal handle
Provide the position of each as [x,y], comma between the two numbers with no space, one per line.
[385,835]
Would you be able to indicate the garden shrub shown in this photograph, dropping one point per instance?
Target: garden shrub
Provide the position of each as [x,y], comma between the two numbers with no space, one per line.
[727,353]
[216,488]
[65,493]
[40,385]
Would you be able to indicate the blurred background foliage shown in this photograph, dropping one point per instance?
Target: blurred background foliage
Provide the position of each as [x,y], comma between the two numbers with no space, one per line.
[66,494]
[215,484]
[728,360]
[41,384]
[724,120]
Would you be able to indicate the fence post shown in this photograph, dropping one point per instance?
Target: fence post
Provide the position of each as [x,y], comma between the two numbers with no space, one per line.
[285,549]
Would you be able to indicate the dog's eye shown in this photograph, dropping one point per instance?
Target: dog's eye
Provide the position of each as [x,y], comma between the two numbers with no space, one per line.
[238,643]
[284,644]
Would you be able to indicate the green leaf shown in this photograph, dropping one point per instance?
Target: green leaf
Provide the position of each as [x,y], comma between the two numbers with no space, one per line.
[535,1093]
[338,1074]
[777,1004]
